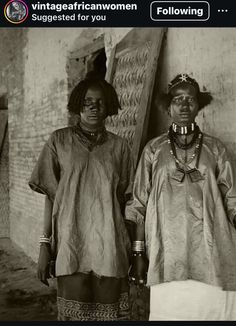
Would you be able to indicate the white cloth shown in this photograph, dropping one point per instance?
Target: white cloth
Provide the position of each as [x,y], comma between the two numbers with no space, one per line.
[191,300]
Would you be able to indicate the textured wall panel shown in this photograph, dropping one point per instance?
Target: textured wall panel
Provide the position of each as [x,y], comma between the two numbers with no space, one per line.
[129,79]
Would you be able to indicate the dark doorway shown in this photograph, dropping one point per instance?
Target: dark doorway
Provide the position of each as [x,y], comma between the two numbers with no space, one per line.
[99,63]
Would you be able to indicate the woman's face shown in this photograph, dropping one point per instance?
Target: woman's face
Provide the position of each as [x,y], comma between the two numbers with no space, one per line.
[184,105]
[94,108]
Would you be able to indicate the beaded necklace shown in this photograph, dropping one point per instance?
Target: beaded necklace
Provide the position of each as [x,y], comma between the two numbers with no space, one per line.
[180,173]
[174,136]
[186,130]
[91,139]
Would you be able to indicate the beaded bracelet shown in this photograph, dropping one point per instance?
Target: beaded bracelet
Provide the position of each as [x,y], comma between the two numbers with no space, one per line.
[44,239]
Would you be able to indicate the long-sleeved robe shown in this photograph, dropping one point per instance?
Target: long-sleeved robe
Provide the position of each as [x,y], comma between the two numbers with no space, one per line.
[189,226]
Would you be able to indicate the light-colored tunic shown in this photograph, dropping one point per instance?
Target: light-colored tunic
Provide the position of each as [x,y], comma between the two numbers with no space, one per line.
[88,190]
[189,231]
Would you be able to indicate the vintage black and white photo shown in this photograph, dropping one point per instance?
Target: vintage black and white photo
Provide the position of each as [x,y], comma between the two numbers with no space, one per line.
[117,174]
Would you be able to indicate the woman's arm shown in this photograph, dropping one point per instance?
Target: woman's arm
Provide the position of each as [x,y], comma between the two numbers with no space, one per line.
[226,180]
[136,212]
[139,261]
[45,248]
[47,225]
[44,180]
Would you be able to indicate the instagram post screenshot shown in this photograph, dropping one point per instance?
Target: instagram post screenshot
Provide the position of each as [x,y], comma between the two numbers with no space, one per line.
[117,161]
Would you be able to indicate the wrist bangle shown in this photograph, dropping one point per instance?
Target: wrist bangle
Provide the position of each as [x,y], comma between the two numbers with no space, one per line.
[138,246]
[44,239]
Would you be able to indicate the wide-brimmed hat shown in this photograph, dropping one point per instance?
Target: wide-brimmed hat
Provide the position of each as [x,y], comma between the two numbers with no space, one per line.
[204,98]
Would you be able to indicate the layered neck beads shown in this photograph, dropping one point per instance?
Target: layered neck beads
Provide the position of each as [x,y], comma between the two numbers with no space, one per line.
[183,169]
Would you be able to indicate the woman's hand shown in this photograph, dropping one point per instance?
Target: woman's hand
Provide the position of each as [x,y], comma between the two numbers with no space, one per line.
[138,270]
[43,263]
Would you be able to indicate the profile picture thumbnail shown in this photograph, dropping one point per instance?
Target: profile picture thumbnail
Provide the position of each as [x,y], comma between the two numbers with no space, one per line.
[16,11]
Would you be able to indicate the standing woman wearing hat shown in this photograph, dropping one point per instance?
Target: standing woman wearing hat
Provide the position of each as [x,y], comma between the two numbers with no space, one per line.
[84,172]
[184,207]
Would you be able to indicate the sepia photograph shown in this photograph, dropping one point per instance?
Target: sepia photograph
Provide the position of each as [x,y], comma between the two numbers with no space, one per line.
[117,173]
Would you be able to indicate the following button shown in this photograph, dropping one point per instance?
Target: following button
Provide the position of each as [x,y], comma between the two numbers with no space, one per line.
[180,10]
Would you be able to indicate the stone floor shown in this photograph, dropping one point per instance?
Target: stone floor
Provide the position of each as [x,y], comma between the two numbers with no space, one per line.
[22,296]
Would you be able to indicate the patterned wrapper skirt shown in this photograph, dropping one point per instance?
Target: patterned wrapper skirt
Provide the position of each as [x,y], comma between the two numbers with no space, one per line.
[88,297]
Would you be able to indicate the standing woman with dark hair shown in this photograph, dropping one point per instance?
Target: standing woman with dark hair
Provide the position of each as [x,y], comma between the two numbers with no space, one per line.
[84,171]
[184,205]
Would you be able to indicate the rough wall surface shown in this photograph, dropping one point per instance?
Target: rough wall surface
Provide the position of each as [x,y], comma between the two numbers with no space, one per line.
[4,176]
[11,75]
[43,90]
